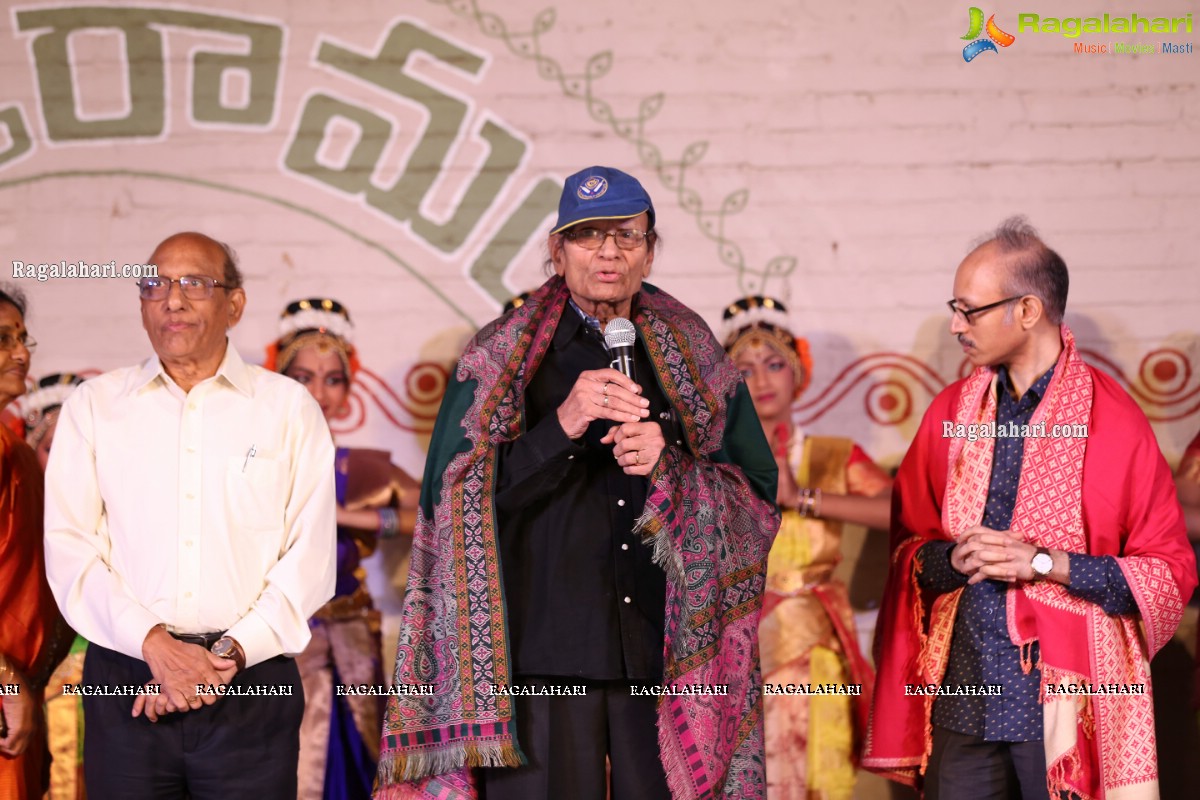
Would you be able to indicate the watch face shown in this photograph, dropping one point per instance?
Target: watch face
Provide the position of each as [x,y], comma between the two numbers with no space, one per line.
[224,646]
[1042,563]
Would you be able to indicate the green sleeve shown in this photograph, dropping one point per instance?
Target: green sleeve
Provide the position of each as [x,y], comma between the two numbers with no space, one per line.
[448,439]
[745,446]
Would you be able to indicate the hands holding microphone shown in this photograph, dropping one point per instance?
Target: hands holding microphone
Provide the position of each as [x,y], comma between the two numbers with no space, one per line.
[615,395]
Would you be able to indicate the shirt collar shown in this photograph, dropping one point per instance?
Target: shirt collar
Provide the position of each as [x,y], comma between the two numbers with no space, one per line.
[233,370]
[587,319]
[568,325]
[1037,390]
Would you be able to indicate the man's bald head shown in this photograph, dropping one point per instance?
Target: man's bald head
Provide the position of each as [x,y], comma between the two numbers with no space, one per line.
[231,275]
[188,329]
[1029,266]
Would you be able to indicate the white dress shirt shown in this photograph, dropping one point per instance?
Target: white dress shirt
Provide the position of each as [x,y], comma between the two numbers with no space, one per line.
[208,511]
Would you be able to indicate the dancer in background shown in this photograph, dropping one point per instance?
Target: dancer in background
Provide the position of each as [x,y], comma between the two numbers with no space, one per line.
[40,408]
[64,713]
[806,634]
[339,736]
[516,301]
[32,635]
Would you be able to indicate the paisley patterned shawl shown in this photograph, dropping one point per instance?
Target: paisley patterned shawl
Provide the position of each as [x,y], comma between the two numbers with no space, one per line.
[710,532]
[1097,747]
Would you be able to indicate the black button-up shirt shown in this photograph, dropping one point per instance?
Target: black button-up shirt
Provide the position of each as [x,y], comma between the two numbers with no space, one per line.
[981,652]
[583,597]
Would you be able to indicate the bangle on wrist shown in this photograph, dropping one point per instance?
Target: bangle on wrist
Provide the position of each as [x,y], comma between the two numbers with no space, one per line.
[809,505]
[389,523]
[8,673]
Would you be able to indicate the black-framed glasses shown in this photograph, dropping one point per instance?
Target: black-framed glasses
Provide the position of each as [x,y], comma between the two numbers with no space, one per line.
[967,313]
[193,287]
[9,342]
[593,238]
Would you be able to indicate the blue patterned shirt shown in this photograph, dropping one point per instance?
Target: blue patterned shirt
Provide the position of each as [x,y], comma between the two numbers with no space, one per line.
[981,652]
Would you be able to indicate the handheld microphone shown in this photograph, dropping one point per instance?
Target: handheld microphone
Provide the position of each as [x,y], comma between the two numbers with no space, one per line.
[619,338]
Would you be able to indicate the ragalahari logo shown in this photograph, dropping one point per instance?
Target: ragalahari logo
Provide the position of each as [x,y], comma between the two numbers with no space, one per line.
[995,36]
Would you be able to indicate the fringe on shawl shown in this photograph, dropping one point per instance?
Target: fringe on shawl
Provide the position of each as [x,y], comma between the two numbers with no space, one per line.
[1064,774]
[1061,774]
[923,639]
[401,766]
[662,553]
[1027,656]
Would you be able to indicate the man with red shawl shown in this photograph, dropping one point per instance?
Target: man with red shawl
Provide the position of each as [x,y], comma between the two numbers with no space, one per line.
[1039,560]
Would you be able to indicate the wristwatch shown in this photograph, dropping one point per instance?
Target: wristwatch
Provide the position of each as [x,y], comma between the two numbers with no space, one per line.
[1042,563]
[227,647]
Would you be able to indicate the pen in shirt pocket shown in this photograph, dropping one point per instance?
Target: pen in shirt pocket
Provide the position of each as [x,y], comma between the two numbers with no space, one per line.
[249,455]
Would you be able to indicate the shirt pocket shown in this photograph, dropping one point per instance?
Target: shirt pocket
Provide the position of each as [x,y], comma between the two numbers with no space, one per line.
[255,493]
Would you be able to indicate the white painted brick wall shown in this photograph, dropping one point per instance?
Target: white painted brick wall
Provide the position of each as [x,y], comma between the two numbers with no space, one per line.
[872,153]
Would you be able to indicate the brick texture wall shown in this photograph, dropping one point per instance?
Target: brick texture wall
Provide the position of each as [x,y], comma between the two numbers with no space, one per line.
[403,158]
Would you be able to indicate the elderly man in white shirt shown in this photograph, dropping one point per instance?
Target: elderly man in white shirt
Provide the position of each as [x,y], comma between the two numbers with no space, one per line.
[190,534]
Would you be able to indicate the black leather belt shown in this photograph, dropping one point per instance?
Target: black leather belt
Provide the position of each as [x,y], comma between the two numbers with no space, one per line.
[205,640]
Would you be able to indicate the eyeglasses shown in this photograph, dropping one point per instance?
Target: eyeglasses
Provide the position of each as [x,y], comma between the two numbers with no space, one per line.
[9,342]
[593,238]
[967,313]
[193,287]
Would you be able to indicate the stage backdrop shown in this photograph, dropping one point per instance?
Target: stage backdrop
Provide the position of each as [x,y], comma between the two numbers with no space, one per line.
[405,158]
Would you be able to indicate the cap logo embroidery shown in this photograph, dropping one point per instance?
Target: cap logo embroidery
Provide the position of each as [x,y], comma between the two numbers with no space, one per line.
[592,188]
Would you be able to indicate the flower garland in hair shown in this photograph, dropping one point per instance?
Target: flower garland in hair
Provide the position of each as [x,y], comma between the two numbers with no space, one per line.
[764,320]
[39,408]
[319,322]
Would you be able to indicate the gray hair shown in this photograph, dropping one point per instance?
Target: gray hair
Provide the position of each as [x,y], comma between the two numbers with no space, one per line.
[1033,268]
[232,277]
[14,297]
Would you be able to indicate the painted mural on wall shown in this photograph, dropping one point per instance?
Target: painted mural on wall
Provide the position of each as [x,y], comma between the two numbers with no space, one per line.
[408,165]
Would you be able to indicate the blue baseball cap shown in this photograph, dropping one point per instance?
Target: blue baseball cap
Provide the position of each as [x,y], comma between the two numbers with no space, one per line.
[601,193]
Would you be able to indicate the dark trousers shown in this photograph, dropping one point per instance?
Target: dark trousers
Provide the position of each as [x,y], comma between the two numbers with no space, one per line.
[566,739]
[239,747]
[963,766]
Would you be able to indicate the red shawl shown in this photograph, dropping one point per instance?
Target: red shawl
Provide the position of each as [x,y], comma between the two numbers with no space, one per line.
[1126,508]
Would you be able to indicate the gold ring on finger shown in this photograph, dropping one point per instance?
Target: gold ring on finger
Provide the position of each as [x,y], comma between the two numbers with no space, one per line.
[606,389]
[637,457]
[606,401]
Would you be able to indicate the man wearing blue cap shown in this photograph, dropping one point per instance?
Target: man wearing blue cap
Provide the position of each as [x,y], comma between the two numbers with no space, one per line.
[589,563]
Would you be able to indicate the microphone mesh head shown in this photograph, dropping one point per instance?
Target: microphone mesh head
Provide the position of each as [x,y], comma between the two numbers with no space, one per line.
[619,332]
